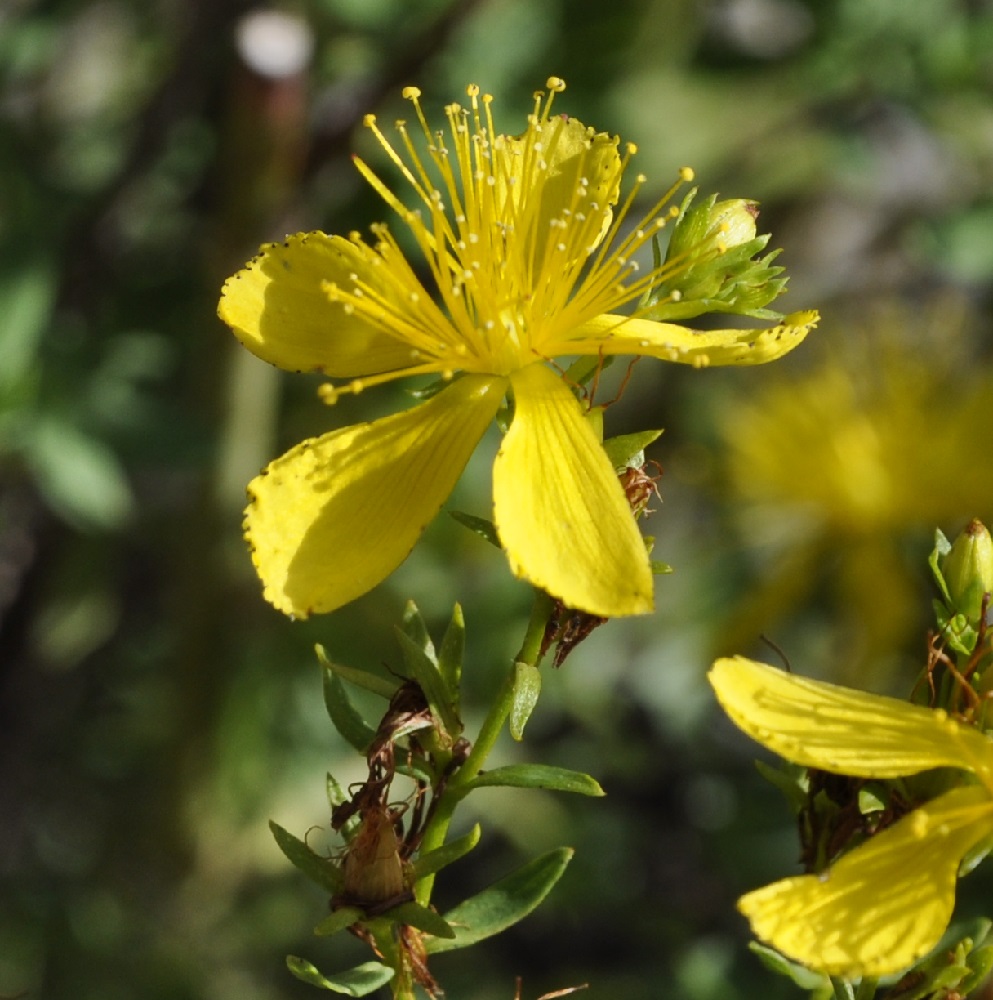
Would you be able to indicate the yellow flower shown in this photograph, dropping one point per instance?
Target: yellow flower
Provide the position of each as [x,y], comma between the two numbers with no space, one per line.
[885,904]
[833,471]
[526,258]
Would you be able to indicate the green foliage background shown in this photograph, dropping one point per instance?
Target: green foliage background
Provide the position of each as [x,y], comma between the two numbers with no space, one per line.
[155,713]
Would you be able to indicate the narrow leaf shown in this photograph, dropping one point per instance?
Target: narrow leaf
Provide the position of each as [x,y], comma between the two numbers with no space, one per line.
[527,687]
[416,630]
[336,794]
[323,871]
[559,779]
[360,678]
[443,856]
[452,652]
[358,982]
[423,918]
[799,974]
[343,713]
[629,449]
[505,902]
[425,671]
[338,921]
[479,525]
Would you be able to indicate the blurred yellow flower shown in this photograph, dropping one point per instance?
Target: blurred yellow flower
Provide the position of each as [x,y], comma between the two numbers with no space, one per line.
[886,903]
[527,260]
[831,472]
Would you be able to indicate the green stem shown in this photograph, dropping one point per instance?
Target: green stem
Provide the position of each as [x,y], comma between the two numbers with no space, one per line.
[437,829]
[866,989]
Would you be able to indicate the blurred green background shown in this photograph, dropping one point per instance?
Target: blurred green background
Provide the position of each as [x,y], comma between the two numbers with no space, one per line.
[154,712]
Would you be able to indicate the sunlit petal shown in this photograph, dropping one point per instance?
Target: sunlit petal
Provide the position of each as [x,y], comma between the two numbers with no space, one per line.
[336,514]
[560,511]
[610,334]
[883,906]
[842,730]
[279,308]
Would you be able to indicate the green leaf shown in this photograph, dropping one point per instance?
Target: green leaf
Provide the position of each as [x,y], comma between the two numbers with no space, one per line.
[79,475]
[424,669]
[415,629]
[805,978]
[358,982]
[342,712]
[27,295]
[628,450]
[341,919]
[423,918]
[452,653]
[482,527]
[527,687]
[360,678]
[336,794]
[443,856]
[323,871]
[505,902]
[942,546]
[558,779]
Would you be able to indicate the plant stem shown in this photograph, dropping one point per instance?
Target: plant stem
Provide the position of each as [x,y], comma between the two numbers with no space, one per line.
[489,732]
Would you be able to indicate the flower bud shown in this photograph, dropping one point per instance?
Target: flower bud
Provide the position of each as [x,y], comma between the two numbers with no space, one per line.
[713,227]
[968,570]
[711,264]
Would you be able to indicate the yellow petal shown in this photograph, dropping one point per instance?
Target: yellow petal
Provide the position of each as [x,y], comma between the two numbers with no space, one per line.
[610,334]
[539,173]
[279,308]
[842,730]
[883,906]
[336,514]
[560,511]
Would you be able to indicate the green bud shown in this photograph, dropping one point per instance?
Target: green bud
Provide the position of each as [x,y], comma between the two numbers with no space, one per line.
[713,227]
[968,570]
[710,266]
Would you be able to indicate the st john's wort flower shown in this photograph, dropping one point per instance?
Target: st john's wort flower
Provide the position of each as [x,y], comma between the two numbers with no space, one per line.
[886,903]
[527,260]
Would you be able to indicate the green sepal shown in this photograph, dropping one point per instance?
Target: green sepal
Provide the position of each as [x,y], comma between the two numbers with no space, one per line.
[527,687]
[343,714]
[358,982]
[504,903]
[627,451]
[803,977]
[451,655]
[340,920]
[442,857]
[424,670]
[661,568]
[323,871]
[479,525]
[423,918]
[556,779]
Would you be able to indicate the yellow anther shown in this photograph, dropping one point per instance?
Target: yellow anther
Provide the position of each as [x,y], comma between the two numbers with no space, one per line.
[411,93]
[356,385]
[686,174]
[472,90]
[555,84]
[369,120]
[632,148]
